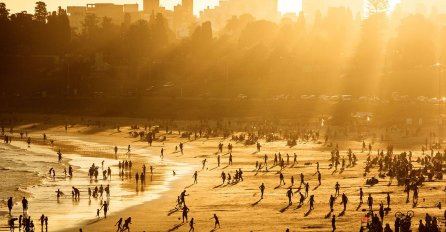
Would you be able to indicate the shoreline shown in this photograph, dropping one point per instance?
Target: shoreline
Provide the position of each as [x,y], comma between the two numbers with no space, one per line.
[154,188]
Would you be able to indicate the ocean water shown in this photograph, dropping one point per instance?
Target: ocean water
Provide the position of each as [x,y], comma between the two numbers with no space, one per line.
[26,171]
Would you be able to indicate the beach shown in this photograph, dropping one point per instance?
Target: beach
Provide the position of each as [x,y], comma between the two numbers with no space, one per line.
[237,205]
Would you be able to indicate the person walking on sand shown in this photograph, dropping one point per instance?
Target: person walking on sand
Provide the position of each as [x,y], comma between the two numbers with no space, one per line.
[344,201]
[223,177]
[185,211]
[191,225]
[10,204]
[195,176]
[116,153]
[262,190]
[118,224]
[361,195]
[281,179]
[311,202]
[388,200]
[289,193]
[331,202]
[333,223]
[302,198]
[217,222]
[370,201]
[127,223]
[337,187]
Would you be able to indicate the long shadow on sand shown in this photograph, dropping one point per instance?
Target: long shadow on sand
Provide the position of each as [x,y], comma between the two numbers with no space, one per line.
[285,208]
[328,215]
[172,211]
[308,213]
[257,202]
[359,206]
[175,227]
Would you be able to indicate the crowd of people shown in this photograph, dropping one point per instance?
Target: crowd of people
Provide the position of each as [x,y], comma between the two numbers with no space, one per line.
[409,173]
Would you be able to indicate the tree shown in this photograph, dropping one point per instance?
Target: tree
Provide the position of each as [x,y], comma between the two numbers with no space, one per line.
[378,6]
[4,12]
[40,12]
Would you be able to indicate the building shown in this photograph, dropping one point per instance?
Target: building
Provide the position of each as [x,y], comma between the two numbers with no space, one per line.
[76,15]
[117,13]
[260,9]
[183,18]
[312,7]
[151,6]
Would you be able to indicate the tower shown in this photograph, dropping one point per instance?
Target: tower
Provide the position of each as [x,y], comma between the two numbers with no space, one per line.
[151,6]
[188,6]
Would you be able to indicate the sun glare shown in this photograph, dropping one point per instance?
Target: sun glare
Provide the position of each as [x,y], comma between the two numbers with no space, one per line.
[287,6]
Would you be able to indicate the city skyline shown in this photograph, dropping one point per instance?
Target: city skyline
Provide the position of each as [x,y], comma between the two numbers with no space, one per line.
[284,6]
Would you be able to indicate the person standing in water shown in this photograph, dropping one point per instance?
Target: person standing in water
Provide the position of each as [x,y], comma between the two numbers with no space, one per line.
[105,205]
[10,204]
[24,205]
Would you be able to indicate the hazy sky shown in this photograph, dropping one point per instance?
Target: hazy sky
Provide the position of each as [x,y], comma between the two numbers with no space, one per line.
[28,5]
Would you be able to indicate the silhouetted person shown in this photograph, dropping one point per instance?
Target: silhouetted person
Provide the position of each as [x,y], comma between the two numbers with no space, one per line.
[10,204]
[195,176]
[311,202]
[217,222]
[191,225]
[118,224]
[185,211]
[46,223]
[344,201]
[289,193]
[105,205]
[262,190]
[370,201]
[333,223]
[388,200]
[331,202]
[24,205]
[361,195]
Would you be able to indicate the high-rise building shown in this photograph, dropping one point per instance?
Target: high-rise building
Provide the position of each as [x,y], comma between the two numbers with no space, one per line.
[311,7]
[151,6]
[114,12]
[188,6]
[260,9]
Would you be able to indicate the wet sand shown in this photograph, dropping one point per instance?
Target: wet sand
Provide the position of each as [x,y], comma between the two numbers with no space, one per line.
[238,206]
[66,212]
